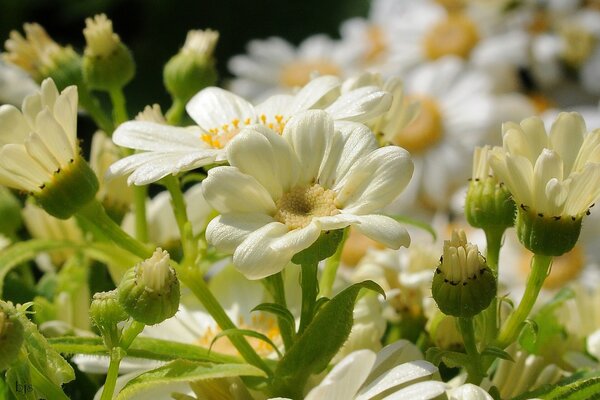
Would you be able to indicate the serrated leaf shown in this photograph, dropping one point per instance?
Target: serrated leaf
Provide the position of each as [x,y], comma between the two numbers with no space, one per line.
[320,342]
[185,371]
[497,352]
[324,247]
[280,311]
[581,385]
[244,332]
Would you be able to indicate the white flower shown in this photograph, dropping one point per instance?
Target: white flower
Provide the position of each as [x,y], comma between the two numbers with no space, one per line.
[397,371]
[274,66]
[40,140]
[220,115]
[15,84]
[555,174]
[281,192]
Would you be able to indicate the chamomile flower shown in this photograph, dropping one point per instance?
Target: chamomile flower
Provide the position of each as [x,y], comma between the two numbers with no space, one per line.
[220,115]
[282,191]
[274,66]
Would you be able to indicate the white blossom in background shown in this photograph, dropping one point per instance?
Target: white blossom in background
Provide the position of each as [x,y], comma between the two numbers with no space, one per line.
[15,84]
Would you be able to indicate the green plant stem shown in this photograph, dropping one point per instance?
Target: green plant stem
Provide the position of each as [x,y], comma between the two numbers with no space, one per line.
[139,207]
[474,368]
[116,355]
[193,279]
[179,207]
[540,266]
[331,267]
[175,113]
[119,108]
[130,333]
[276,288]
[310,289]
[490,315]
[92,106]
[94,215]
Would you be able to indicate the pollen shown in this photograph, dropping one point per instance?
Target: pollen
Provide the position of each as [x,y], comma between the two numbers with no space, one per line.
[297,207]
[219,137]
[456,35]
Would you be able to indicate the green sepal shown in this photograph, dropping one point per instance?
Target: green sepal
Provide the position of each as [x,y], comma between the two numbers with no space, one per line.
[186,74]
[489,204]
[452,359]
[186,371]
[244,332]
[547,235]
[320,342]
[110,72]
[65,70]
[71,188]
[581,385]
[324,247]
[464,299]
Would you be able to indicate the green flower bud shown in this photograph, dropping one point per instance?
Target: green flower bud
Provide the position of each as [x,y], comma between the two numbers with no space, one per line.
[149,292]
[10,212]
[546,235]
[106,311]
[489,204]
[107,62]
[71,188]
[193,68]
[11,335]
[463,285]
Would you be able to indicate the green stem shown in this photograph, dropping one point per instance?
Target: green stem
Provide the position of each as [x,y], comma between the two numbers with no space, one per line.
[540,267]
[276,288]
[139,207]
[45,386]
[193,279]
[93,214]
[175,113]
[119,108]
[309,283]
[474,368]
[180,211]
[116,355]
[331,267]
[92,106]
[130,333]
[490,315]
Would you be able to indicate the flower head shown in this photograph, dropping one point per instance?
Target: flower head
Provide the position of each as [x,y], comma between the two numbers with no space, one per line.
[281,192]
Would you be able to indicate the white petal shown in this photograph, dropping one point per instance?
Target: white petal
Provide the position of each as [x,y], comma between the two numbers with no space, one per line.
[384,230]
[566,136]
[7,178]
[548,166]
[255,258]
[374,181]
[309,134]
[65,112]
[337,221]
[469,392]
[226,232]
[15,159]
[593,344]
[397,353]
[419,391]
[361,104]
[13,126]
[314,93]
[520,178]
[152,136]
[583,190]
[297,240]
[228,190]
[55,137]
[399,376]
[38,150]
[214,107]
[344,380]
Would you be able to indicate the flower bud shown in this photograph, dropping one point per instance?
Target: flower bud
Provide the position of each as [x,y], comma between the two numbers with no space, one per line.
[105,310]
[107,62]
[149,292]
[11,335]
[193,68]
[10,212]
[463,285]
[547,236]
[489,204]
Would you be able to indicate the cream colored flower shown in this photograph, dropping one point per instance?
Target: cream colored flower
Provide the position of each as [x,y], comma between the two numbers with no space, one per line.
[281,192]
[555,174]
[15,84]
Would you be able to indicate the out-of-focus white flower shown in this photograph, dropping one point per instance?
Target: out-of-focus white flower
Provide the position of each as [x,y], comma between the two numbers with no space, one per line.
[15,84]
[310,179]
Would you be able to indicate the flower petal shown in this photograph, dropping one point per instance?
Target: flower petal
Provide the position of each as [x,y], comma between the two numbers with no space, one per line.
[227,231]
[566,136]
[361,105]
[13,126]
[152,136]
[214,107]
[384,230]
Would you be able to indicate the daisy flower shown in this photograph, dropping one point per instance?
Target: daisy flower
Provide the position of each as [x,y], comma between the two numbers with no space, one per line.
[282,191]
[220,115]
[274,66]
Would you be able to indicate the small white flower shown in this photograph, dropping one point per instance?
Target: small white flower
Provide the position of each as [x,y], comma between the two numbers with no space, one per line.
[281,192]
[40,140]
[15,84]
[555,174]
[220,115]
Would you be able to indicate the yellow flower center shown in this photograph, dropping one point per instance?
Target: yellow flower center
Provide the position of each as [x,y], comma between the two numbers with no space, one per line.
[259,322]
[220,136]
[564,269]
[376,39]
[297,207]
[456,35]
[452,5]
[425,130]
[580,44]
[298,73]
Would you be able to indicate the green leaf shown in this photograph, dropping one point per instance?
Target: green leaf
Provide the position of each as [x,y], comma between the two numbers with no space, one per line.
[152,349]
[244,332]
[496,352]
[529,335]
[324,247]
[321,301]
[280,311]
[452,359]
[416,223]
[320,342]
[581,385]
[185,371]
